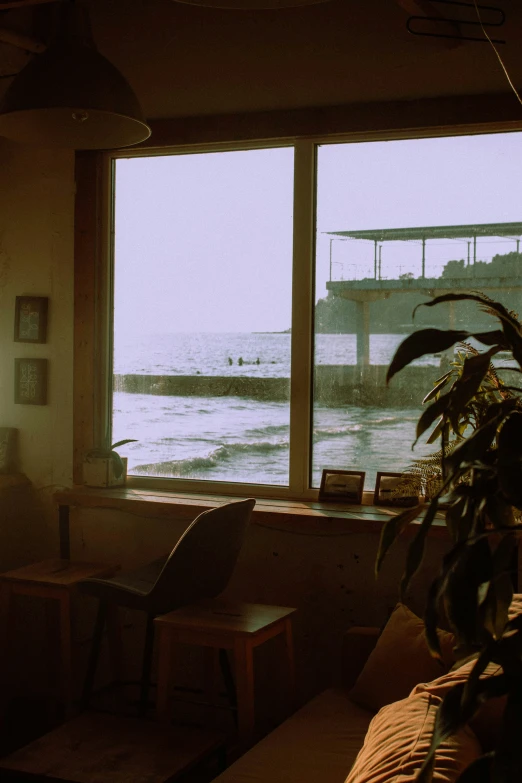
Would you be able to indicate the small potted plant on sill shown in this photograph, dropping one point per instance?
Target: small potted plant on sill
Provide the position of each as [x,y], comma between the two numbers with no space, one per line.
[103,467]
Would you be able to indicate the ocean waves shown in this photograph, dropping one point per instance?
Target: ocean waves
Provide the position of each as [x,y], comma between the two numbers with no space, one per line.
[193,465]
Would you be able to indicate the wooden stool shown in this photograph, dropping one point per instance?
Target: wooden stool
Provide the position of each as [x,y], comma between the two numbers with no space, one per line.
[113,748]
[228,626]
[52,579]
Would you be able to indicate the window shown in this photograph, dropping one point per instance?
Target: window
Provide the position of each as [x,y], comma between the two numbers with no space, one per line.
[202,314]
[397,222]
[252,330]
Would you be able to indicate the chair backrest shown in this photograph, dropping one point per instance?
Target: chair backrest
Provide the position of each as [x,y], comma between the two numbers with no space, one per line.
[202,562]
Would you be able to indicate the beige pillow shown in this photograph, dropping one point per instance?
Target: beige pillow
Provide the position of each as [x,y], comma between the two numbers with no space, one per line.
[397,742]
[399,661]
[515,607]
[487,721]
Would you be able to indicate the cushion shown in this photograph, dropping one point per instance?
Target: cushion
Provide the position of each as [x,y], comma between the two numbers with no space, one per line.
[399,661]
[318,744]
[487,721]
[515,606]
[397,742]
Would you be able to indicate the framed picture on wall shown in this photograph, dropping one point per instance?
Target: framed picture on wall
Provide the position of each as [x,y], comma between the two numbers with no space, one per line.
[343,486]
[30,381]
[31,319]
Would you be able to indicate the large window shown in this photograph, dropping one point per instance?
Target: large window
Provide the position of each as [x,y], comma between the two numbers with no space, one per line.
[398,221]
[202,314]
[259,295]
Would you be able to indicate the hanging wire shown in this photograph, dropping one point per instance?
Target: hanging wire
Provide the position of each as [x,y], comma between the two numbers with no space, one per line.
[456,23]
[497,53]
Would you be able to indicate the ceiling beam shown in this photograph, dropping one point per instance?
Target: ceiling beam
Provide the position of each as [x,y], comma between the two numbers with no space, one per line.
[5,6]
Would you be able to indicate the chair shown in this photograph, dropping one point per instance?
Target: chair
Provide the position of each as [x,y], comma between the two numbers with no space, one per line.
[199,567]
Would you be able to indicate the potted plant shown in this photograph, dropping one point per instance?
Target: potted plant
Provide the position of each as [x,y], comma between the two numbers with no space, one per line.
[103,467]
[481,488]
[423,476]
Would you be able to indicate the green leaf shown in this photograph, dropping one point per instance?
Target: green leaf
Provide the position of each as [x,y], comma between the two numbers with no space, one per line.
[510,482]
[495,337]
[417,547]
[466,387]
[122,443]
[437,431]
[436,409]
[471,568]
[440,384]
[117,464]
[474,447]
[431,618]
[392,529]
[510,438]
[459,519]
[499,511]
[473,685]
[425,341]
[494,610]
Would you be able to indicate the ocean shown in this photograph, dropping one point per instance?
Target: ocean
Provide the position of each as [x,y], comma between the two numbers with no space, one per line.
[245,440]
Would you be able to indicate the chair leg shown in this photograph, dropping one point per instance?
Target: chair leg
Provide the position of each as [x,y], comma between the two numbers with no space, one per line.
[94,654]
[147,665]
[228,679]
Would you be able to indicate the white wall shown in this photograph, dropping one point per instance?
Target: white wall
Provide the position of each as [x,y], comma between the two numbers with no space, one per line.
[36,258]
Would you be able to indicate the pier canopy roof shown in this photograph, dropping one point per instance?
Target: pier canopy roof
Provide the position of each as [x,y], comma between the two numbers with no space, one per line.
[434,232]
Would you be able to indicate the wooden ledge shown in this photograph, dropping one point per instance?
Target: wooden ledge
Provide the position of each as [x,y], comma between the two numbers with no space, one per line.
[306,517]
[11,480]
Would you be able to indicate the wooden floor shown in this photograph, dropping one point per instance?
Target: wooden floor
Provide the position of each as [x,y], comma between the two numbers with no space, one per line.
[103,748]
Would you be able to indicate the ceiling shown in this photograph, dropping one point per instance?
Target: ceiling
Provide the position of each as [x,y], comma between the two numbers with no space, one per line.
[185,60]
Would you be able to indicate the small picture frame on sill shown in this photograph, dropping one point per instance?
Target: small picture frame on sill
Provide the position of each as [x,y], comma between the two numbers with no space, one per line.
[386,485]
[31,319]
[342,486]
[30,382]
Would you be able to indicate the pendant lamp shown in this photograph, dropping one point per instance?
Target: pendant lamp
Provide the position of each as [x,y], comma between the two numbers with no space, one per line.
[72,96]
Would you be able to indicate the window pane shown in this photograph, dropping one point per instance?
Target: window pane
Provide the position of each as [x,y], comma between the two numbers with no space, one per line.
[202,313]
[396,222]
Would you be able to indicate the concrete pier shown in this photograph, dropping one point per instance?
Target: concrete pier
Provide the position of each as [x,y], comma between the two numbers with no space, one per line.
[334,385]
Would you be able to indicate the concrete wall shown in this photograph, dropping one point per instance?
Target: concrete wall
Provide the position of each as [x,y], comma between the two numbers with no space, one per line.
[333,384]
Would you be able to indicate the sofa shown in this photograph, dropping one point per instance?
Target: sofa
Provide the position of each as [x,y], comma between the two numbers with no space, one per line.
[376,726]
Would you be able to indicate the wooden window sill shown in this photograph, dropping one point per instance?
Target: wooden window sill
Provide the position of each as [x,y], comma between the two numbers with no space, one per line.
[299,516]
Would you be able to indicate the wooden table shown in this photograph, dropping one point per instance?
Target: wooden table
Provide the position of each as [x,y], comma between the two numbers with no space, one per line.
[306,516]
[101,748]
[55,580]
[240,627]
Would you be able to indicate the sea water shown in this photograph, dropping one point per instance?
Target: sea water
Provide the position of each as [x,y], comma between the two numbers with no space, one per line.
[243,439]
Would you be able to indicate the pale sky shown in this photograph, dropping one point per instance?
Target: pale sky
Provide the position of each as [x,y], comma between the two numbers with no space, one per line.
[204,241]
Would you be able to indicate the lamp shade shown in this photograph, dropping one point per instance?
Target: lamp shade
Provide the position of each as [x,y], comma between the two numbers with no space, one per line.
[72,96]
[251,5]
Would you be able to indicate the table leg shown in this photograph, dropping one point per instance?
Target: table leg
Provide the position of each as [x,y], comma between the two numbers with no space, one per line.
[66,652]
[244,661]
[211,679]
[289,645]
[63,526]
[5,616]
[164,672]
[115,643]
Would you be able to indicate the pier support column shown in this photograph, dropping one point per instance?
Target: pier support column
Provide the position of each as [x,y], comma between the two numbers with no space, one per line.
[452,315]
[362,325]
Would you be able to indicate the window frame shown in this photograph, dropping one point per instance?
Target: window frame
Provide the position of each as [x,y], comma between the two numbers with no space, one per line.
[94,235]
